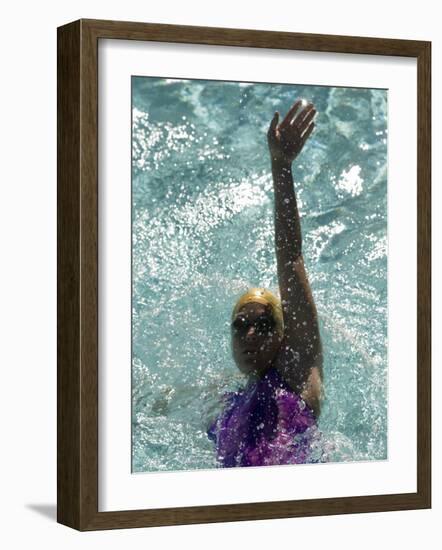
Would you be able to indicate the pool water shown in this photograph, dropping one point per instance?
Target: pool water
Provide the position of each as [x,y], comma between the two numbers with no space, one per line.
[202,234]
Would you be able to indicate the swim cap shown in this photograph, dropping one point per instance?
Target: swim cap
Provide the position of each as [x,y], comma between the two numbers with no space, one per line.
[265,297]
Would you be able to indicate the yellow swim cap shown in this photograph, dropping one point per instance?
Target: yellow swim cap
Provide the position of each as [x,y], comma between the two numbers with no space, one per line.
[265,297]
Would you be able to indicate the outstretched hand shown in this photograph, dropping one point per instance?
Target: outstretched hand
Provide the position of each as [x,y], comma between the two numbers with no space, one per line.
[287,139]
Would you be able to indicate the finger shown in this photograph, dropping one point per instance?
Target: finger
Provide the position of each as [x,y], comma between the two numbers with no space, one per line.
[299,121]
[273,124]
[307,119]
[307,132]
[291,113]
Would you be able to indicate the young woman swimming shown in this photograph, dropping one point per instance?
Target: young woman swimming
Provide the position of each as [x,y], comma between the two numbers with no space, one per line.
[276,344]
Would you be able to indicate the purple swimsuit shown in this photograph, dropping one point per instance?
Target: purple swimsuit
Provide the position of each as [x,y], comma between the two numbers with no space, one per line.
[264,424]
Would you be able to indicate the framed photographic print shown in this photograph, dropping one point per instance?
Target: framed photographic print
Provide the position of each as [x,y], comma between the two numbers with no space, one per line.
[243,274]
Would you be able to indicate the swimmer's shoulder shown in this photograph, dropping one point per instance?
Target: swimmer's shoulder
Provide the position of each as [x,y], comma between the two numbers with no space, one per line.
[288,364]
[304,381]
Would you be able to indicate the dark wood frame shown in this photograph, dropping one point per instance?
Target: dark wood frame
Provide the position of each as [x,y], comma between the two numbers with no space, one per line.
[77,225]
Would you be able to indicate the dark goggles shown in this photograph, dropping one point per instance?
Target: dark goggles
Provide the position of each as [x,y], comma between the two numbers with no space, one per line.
[263,325]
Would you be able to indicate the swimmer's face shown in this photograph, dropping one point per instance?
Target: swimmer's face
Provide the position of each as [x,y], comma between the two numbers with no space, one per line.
[255,339]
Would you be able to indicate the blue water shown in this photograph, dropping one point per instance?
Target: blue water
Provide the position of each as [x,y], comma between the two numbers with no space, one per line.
[202,229]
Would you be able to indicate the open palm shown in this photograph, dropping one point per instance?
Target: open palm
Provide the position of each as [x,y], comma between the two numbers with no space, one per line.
[287,139]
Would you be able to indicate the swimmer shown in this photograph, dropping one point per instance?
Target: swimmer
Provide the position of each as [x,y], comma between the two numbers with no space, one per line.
[276,344]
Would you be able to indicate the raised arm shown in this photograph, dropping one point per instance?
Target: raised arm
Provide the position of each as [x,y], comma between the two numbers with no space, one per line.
[300,360]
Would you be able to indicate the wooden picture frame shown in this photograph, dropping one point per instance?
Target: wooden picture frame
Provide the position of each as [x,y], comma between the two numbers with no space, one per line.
[77,225]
